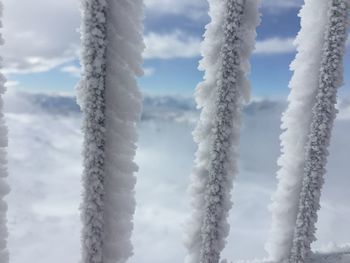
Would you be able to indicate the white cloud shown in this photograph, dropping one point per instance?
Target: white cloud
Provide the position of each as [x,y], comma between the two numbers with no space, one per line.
[344,110]
[199,8]
[44,200]
[11,83]
[149,71]
[277,5]
[41,40]
[173,45]
[39,34]
[180,45]
[194,9]
[45,168]
[72,70]
[275,46]
[42,34]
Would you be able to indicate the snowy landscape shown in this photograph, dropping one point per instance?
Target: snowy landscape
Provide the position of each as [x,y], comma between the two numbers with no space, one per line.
[209,131]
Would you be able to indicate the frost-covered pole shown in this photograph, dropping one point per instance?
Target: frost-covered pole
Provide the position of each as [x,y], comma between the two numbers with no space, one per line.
[229,41]
[4,188]
[296,123]
[323,116]
[111,104]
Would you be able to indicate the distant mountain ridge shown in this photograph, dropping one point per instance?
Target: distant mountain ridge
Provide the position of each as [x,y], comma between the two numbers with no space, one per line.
[154,107]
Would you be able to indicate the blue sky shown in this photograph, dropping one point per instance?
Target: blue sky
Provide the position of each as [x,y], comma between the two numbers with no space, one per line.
[281,24]
[173,31]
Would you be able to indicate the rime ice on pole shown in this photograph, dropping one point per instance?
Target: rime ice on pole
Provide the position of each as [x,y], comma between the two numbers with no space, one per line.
[296,122]
[308,123]
[111,103]
[229,41]
[323,116]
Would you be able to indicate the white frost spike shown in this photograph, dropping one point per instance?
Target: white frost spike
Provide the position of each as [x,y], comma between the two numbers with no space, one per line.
[296,123]
[229,42]
[111,103]
[4,188]
[323,116]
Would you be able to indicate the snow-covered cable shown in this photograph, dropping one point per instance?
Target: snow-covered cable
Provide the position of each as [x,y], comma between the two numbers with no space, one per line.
[205,95]
[323,116]
[91,97]
[4,188]
[229,41]
[296,123]
[123,111]
[111,103]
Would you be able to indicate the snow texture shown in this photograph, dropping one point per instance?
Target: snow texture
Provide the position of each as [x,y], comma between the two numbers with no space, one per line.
[4,188]
[323,116]
[111,103]
[296,123]
[229,42]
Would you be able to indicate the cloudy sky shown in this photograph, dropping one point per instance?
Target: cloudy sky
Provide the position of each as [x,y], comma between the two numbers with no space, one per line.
[41,55]
[42,45]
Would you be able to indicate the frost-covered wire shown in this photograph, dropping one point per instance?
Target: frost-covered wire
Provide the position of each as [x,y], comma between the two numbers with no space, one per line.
[111,104]
[229,41]
[323,116]
[296,123]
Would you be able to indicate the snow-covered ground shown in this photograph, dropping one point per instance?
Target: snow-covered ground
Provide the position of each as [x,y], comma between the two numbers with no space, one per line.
[45,170]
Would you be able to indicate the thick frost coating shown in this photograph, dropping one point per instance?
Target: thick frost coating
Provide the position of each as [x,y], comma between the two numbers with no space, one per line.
[111,103]
[323,116]
[229,41]
[91,96]
[4,188]
[123,111]
[296,125]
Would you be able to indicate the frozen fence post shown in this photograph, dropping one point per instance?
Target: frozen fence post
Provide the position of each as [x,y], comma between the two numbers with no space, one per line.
[111,103]
[296,123]
[229,41]
[323,116]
